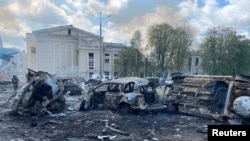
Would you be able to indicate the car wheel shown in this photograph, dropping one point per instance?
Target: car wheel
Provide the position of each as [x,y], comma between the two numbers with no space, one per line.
[82,106]
[125,108]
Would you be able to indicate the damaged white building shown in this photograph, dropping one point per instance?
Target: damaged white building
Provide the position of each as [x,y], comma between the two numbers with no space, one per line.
[68,51]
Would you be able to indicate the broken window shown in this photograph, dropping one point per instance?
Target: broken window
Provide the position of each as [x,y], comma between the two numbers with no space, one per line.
[114,87]
[102,88]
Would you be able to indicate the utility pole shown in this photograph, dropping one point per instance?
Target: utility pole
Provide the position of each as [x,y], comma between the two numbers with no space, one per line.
[146,67]
[101,47]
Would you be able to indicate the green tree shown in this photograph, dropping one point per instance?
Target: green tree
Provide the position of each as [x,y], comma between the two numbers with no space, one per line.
[136,43]
[170,46]
[125,63]
[242,65]
[224,53]
[181,45]
[130,59]
[160,37]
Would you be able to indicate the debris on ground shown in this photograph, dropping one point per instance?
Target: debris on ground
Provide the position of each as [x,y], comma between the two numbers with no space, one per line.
[42,110]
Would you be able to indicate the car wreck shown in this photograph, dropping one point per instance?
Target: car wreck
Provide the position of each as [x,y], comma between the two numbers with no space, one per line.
[127,95]
[218,97]
[70,86]
[41,94]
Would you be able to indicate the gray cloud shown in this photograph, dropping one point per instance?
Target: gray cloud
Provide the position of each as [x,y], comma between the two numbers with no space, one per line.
[162,14]
[209,15]
[15,18]
[40,12]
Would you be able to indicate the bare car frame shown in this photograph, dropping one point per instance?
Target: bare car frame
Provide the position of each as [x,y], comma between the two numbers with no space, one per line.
[217,97]
[127,95]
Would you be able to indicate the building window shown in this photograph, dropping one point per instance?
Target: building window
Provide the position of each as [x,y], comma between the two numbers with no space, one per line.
[116,74]
[189,64]
[33,50]
[91,74]
[106,73]
[106,58]
[69,31]
[196,61]
[91,61]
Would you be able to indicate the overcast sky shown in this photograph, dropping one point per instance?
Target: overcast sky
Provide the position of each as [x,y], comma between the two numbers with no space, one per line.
[18,17]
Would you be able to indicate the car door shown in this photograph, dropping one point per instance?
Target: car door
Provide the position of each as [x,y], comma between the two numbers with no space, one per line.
[99,93]
[113,95]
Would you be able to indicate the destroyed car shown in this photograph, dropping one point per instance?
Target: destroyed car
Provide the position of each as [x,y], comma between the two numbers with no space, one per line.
[93,82]
[217,97]
[127,95]
[155,81]
[70,86]
[41,94]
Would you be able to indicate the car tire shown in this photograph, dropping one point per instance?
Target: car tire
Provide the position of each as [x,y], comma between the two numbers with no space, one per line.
[125,108]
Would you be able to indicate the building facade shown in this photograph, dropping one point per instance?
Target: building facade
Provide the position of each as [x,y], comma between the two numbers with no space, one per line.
[67,51]
[193,63]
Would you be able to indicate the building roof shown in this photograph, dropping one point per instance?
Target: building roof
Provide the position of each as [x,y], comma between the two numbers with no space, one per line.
[113,45]
[66,27]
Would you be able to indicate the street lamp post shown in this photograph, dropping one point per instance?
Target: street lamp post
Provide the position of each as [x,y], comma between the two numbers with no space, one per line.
[101,49]
[100,44]
[146,67]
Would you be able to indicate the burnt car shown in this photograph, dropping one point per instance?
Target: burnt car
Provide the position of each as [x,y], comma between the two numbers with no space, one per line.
[127,95]
[41,94]
[213,96]
[155,81]
[93,82]
[71,86]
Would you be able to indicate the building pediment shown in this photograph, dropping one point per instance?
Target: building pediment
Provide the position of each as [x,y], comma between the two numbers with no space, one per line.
[66,30]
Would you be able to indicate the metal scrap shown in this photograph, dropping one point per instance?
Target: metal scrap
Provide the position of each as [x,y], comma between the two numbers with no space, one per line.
[115,130]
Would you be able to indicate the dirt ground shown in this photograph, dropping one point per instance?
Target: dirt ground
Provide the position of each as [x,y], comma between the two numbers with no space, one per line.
[74,125]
